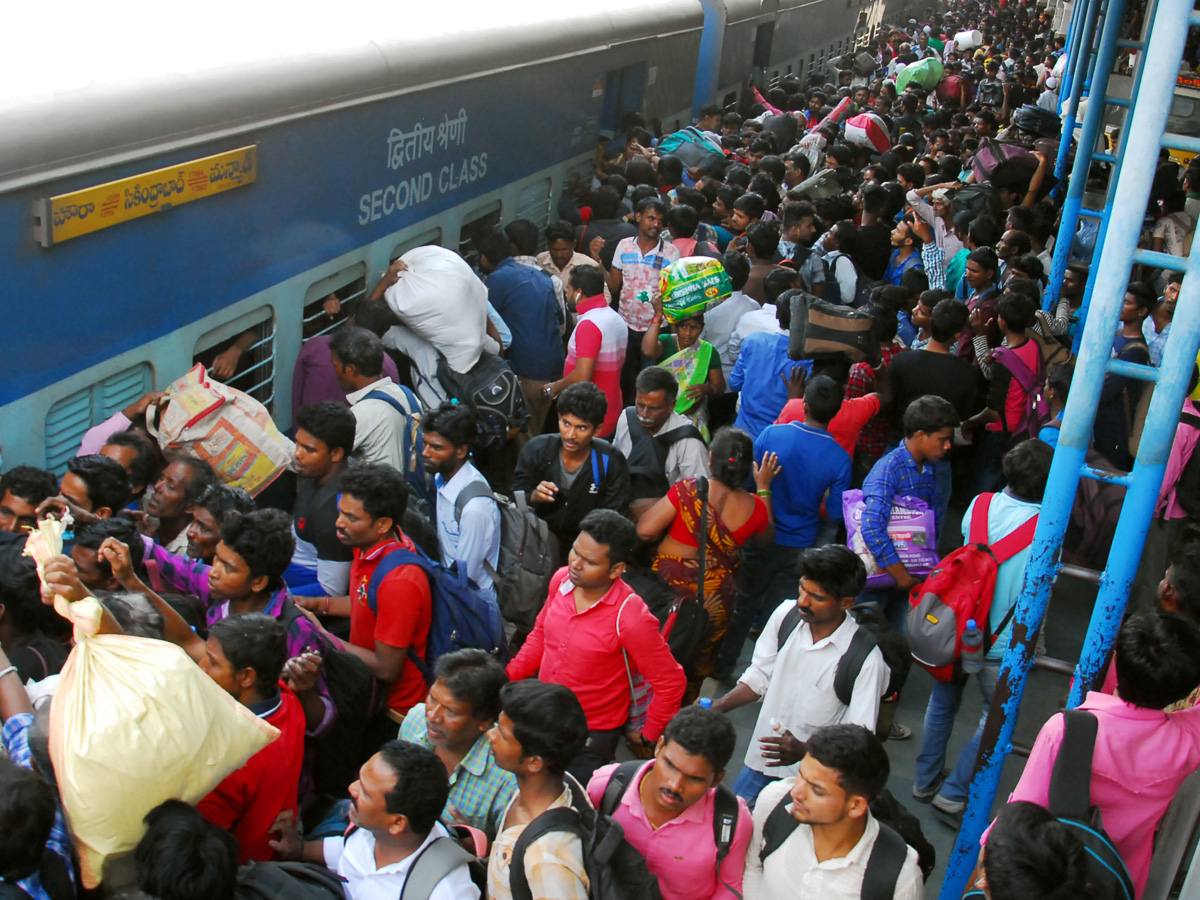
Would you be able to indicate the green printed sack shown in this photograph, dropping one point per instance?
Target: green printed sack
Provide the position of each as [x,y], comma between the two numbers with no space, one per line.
[690,285]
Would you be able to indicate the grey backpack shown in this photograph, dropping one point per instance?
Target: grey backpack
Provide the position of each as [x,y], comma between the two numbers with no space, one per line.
[527,556]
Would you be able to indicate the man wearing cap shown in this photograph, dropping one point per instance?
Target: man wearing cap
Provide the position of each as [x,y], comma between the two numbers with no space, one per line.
[939,214]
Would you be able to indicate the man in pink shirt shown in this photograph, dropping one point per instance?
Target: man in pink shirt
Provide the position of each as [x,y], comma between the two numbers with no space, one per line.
[692,831]
[591,629]
[596,350]
[1142,753]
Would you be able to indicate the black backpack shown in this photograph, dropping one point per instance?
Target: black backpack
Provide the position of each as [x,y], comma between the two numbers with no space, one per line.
[615,870]
[682,620]
[1070,801]
[883,865]
[872,633]
[979,200]
[648,456]
[288,881]
[55,878]
[890,811]
[358,697]
[493,389]
[725,809]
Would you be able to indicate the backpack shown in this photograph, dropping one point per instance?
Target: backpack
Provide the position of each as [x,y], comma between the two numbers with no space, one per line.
[436,860]
[615,870]
[492,389]
[887,809]
[725,809]
[991,93]
[1070,801]
[648,455]
[55,878]
[873,632]
[1031,381]
[683,620]
[961,588]
[979,200]
[833,289]
[358,697]
[528,550]
[694,148]
[883,865]
[993,153]
[288,881]
[462,615]
[412,441]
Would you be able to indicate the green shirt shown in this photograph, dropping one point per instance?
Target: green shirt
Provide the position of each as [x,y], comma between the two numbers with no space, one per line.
[479,789]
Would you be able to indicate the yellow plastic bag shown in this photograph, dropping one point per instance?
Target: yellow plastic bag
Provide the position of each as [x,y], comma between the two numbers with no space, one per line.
[134,722]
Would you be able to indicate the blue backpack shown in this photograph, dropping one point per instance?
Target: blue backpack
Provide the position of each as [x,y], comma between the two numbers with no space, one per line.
[412,442]
[463,616]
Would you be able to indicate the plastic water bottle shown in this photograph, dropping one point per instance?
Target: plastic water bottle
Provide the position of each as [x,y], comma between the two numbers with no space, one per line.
[704,703]
[972,641]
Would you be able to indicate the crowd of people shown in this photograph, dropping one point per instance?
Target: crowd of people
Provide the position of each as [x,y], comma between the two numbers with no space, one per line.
[682,470]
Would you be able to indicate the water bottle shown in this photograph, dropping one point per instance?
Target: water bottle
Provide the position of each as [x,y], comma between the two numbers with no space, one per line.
[704,703]
[972,642]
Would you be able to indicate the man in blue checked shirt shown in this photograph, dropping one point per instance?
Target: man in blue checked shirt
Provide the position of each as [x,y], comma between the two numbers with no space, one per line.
[929,424]
[36,854]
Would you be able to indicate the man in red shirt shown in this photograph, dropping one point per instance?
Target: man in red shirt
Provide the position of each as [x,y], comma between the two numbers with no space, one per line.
[596,350]
[851,417]
[245,656]
[592,626]
[386,633]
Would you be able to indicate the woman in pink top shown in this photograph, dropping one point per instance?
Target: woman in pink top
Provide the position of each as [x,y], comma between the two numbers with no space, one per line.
[1142,753]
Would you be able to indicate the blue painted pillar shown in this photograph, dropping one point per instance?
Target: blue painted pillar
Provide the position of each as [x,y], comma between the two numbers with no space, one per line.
[1093,122]
[1147,122]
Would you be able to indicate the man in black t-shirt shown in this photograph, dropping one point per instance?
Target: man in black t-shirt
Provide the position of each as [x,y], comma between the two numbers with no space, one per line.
[934,369]
[324,438]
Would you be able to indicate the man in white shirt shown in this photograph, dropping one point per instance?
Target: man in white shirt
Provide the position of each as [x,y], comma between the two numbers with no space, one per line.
[814,835]
[394,806]
[468,520]
[661,446]
[382,409]
[831,577]
[721,320]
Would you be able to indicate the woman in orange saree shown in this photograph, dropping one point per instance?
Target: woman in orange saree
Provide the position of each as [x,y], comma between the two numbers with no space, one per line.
[734,516]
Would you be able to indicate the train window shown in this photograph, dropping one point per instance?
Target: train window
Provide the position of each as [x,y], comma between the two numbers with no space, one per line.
[250,341]
[623,93]
[474,230]
[730,100]
[70,418]
[533,203]
[424,239]
[329,302]
[763,37]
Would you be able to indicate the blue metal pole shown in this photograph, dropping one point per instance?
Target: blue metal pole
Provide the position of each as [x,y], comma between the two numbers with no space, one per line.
[1162,418]
[1074,34]
[708,67]
[1093,120]
[1086,35]
[1147,122]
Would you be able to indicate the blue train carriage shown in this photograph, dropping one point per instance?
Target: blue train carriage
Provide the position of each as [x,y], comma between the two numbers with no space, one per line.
[151,223]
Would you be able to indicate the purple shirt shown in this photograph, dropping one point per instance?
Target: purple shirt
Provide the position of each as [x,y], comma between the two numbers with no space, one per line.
[190,576]
[682,853]
[313,379]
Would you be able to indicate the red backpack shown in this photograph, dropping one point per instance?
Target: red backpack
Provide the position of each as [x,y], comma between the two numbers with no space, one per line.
[961,588]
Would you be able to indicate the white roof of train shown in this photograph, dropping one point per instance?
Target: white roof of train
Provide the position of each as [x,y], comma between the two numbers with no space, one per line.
[83,84]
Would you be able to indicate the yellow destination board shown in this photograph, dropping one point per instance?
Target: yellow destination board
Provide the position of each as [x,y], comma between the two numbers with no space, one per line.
[91,209]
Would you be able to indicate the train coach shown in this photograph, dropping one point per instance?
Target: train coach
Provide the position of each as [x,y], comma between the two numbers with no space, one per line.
[166,190]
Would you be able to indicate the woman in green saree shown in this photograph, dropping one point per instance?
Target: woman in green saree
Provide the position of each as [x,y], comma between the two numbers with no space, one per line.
[695,364]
